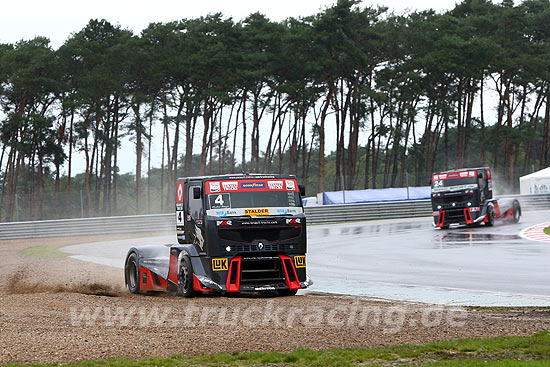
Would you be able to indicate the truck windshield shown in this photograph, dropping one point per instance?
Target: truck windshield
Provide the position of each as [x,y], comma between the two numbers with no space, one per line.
[458,182]
[254,199]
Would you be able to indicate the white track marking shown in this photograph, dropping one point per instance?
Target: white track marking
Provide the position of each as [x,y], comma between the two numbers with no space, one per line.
[536,232]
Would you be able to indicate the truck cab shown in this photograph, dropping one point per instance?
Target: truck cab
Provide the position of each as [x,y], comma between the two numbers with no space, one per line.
[242,232]
[461,196]
[465,197]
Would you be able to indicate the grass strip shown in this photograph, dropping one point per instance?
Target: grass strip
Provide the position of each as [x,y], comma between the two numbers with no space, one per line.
[531,351]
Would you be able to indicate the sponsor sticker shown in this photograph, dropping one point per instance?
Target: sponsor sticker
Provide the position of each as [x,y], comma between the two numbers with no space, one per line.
[464,174]
[220,264]
[300,261]
[230,185]
[435,214]
[472,173]
[256,212]
[290,185]
[224,223]
[474,209]
[179,193]
[252,185]
[293,221]
[215,187]
[275,185]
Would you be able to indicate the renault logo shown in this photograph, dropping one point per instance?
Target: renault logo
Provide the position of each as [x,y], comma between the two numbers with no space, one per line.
[260,246]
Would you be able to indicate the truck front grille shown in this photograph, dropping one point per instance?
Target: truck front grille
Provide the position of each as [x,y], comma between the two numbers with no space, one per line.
[279,247]
[247,235]
[261,270]
[455,216]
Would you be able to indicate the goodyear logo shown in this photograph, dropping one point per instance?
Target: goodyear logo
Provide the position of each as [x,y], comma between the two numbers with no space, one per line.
[219,264]
[300,261]
[256,212]
[252,185]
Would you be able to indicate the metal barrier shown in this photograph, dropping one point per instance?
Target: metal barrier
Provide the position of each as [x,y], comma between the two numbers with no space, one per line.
[157,223]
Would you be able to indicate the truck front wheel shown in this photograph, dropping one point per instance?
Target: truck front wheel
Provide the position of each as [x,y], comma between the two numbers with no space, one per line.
[185,278]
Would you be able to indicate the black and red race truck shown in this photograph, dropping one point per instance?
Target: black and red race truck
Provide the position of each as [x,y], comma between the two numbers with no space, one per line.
[236,233]
[465,197]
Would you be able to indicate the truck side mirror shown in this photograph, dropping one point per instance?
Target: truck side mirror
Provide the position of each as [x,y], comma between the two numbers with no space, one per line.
[302,189]
[196,192]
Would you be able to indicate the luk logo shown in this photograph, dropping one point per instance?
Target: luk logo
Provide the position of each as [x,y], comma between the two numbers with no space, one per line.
[230,186]
[219,264]
[179,193]
[275,185]
[300,261]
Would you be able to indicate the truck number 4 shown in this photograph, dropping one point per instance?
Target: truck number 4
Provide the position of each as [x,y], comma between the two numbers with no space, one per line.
[179,217]
[219,200]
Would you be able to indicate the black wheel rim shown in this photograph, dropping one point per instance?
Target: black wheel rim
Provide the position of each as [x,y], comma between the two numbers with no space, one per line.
[184,275]
[132,275]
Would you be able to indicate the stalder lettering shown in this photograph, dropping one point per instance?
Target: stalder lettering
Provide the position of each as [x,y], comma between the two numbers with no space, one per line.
[256,212]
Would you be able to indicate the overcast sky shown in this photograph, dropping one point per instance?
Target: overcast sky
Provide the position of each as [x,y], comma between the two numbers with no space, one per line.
[57,19]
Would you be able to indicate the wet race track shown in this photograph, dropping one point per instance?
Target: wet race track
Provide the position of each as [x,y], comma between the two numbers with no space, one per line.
[407,259]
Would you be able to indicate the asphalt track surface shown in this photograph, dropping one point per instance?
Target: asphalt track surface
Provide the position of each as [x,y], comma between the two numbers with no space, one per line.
[407,259]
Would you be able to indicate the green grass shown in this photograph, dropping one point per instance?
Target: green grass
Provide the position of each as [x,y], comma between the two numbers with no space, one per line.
[532,351]
[51,251]
[44,251]
[547,230]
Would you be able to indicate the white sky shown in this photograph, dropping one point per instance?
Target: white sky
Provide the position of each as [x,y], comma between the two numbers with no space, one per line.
[57,19]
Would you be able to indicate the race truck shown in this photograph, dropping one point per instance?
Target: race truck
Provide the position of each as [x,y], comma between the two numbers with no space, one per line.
[235,233]
[465,197]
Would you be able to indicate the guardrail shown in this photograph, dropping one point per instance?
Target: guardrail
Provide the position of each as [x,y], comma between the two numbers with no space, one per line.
[154,223]
[157,223]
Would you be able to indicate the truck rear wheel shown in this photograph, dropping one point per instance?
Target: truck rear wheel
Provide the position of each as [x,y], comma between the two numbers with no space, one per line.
[517,212]
[185,278]
[131,273]
[490,216]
